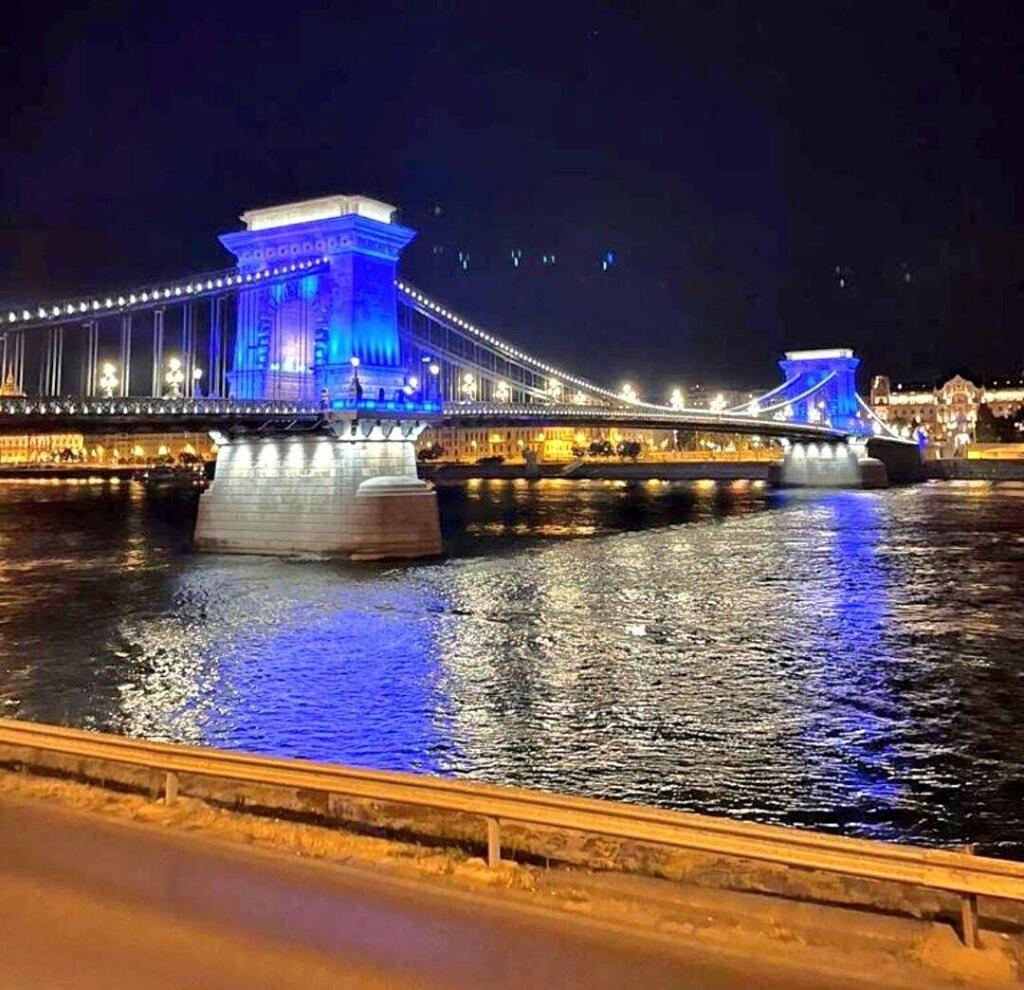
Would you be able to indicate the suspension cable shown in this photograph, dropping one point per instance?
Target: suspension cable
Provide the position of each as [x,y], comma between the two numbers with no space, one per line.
[767,395]
[799,398]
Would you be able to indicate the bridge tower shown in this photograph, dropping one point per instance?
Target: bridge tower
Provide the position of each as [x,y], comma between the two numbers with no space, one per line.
[351,487]
[830,376]
[330,329]
[821,388]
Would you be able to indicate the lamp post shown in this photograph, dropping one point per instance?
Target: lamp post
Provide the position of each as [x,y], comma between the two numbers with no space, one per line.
[435,372]
[355,385]
[174,377]
[108,380]
[197,373]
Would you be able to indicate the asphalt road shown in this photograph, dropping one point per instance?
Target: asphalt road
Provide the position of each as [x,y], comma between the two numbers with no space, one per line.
[90,903]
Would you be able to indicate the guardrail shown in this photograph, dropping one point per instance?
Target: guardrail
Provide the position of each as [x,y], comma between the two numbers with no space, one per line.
[959,873]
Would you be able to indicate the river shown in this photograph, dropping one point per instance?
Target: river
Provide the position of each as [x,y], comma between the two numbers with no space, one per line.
[848,661]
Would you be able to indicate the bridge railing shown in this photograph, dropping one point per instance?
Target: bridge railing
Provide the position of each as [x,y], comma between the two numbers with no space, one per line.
[88,406]
[959,873]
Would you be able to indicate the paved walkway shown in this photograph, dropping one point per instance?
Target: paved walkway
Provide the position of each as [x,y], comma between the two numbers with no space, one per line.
[91,903]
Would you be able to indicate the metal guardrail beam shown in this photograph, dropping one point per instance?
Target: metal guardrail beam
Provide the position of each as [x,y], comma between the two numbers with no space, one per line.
[959,873]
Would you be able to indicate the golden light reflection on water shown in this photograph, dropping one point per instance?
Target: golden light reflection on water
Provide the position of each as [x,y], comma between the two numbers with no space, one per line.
[560,508]
[549,529]
[57,482]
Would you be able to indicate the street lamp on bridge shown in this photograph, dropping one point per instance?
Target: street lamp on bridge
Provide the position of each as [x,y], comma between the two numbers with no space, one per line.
[174,377]
[108,380]
[431,385]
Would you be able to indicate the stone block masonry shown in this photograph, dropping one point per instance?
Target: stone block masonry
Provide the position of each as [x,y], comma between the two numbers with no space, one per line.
[349,497]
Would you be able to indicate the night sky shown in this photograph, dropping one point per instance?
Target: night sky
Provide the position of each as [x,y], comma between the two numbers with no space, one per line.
[767,175]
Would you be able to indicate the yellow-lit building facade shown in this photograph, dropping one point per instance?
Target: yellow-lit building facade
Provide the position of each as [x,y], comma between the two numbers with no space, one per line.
[468,444]
[946,413]
[41,448]
[112,449]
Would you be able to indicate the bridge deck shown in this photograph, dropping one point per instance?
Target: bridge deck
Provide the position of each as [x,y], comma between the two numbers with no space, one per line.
[127,415]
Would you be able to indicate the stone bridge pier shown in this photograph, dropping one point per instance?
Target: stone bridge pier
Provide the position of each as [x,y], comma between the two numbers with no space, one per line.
[829,465]
[350,491]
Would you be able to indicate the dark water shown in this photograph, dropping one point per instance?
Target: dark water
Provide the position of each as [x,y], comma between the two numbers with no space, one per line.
[850,661]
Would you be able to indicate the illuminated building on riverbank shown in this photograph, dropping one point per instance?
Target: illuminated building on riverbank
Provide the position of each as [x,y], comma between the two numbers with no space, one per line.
[118,448]
[948,412]
[42,448]
[563,444]
[511,444]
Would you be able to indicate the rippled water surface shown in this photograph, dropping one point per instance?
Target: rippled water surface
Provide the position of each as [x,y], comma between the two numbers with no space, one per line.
[852,661]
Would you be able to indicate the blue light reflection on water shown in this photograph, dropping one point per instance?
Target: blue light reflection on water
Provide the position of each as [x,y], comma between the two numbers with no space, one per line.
[850,604]
[343,672]
[355,683]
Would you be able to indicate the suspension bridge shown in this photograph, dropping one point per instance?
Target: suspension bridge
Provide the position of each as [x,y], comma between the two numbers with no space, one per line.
[315,367]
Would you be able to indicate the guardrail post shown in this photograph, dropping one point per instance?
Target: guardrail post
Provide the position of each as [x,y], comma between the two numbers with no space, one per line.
[493,843]
[969,919]
[969,912]
[170,787]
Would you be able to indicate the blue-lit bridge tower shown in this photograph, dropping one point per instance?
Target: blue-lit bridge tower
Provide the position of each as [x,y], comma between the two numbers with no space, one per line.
[351,487]
[330,329]
[821,387]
